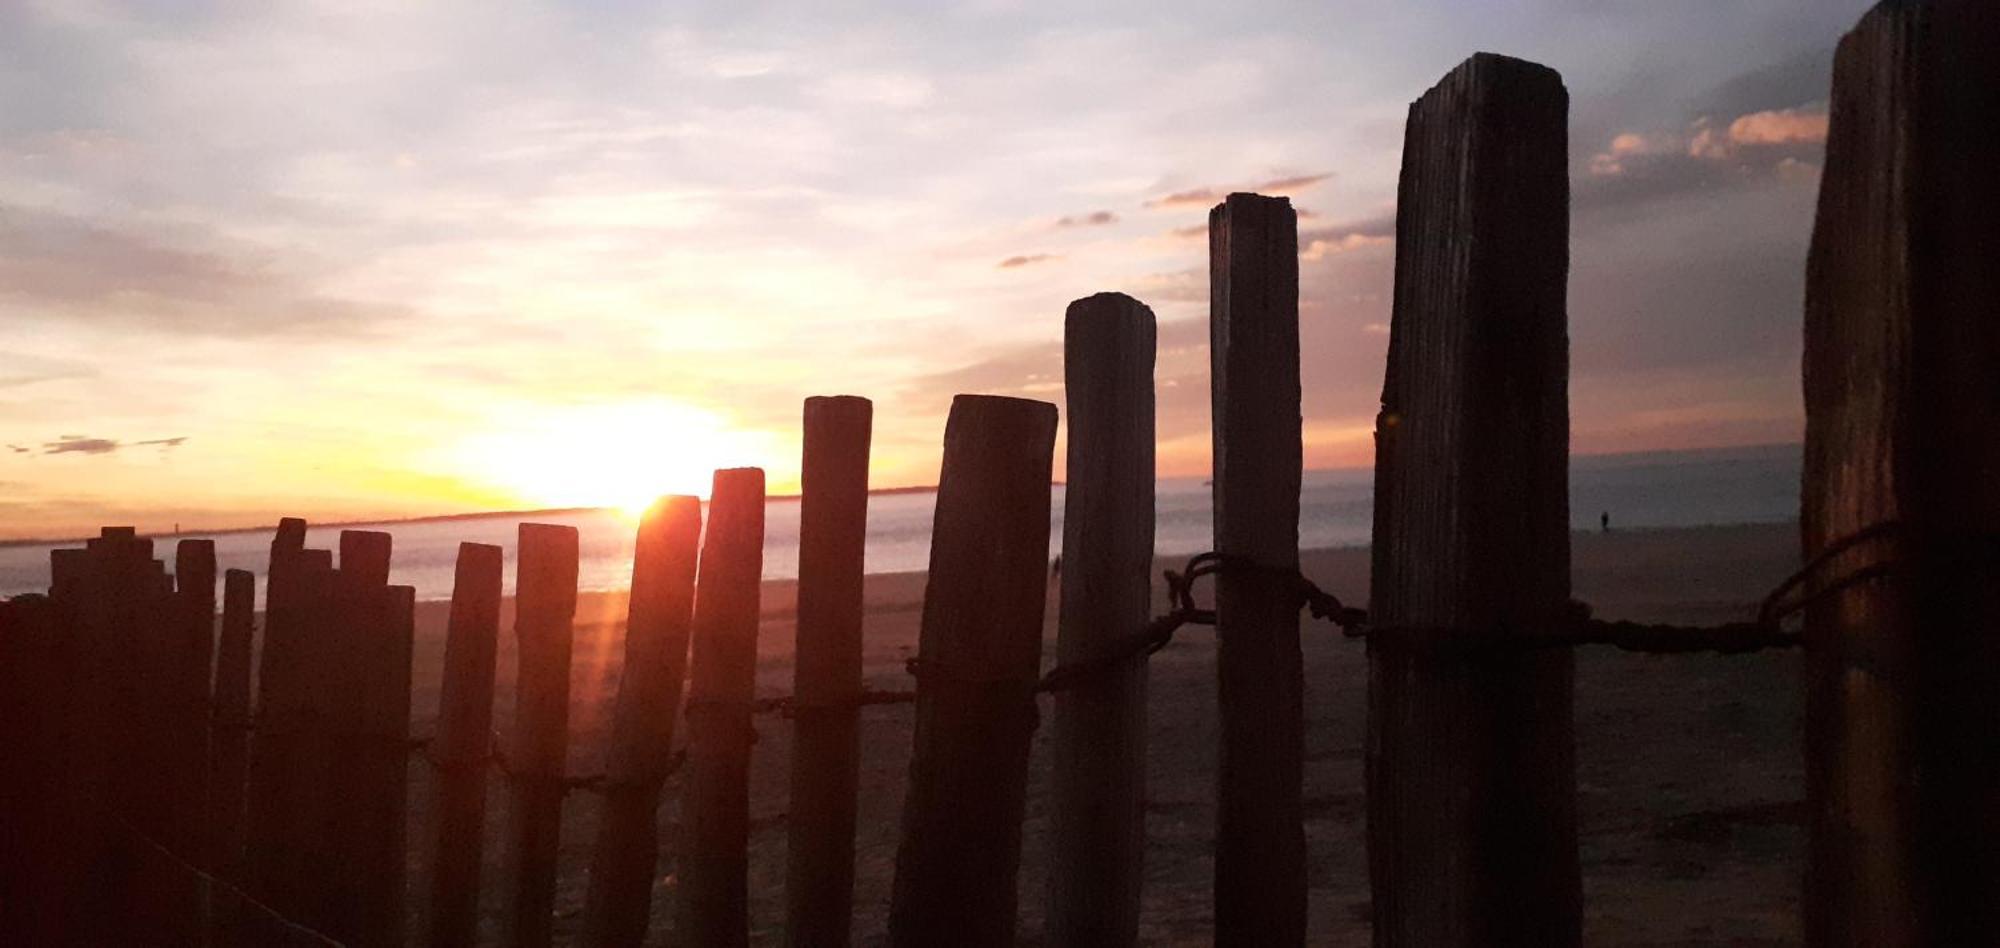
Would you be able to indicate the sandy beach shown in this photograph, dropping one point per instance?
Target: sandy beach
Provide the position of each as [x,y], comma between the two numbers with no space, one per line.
[1689,775]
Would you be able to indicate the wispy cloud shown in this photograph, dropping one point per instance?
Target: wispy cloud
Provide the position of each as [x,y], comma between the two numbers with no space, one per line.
[1092,219]
[67,267]
[81,444]
[1210,196]
[1318,242]
[1027,260]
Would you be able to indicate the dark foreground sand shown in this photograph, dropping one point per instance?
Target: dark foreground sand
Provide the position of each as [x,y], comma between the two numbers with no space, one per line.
[1689,774]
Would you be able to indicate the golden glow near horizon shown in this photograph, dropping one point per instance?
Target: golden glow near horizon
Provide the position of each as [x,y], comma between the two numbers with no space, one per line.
[622,455]
[612,247]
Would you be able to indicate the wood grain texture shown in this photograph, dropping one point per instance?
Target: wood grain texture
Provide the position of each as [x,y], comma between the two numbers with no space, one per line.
[1260,858]
[714,905]
[462,745]
[980,647]
[624,862]
[1471,763]
[1902,358]
[1098,773]
[545,626]
[833,532]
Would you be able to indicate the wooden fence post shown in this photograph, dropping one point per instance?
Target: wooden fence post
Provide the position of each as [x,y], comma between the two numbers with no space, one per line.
[1902,348]
[980,654]
[231,723]
[193,650]
[35,674]
[618,905]
[826,683]
[715,798]
[463,746]
[84,589]
[273,850]
[545,618]
[1098,822]
[1260,877]
[364,649]
[381,837]
[1471,759]
[349,691]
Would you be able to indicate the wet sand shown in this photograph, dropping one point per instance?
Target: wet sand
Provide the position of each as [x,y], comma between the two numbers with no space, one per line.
[1689,776]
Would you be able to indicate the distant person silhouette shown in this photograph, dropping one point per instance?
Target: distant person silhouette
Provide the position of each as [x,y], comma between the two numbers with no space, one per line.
[1604,521]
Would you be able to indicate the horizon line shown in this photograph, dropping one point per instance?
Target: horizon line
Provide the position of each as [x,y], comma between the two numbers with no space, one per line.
[872,492]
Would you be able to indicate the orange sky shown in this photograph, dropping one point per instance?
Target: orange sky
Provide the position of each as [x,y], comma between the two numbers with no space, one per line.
[351,260]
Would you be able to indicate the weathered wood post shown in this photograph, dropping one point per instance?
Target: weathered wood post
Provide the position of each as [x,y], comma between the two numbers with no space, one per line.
[36,671]
[1471,759]
[715,798]
[347,690]
[544,622]
[193,650]
[230,723]
[979,656]
[1902,478]
[1253,289]
[381,838]
[1098,826]
[146,740]
[618,905]
[273,852]
[463,746]
[826,684]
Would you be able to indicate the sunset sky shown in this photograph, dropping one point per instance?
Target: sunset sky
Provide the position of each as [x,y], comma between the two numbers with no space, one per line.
[347,259]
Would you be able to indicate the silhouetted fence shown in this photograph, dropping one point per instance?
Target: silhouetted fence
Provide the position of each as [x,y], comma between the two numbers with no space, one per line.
[148,799]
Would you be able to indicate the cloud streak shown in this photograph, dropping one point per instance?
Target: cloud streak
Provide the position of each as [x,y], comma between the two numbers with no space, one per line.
[81,444]
[1092,219]
[81,271]
[1210,196]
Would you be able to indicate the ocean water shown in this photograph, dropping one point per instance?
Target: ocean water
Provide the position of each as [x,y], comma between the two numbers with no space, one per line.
[1658,489]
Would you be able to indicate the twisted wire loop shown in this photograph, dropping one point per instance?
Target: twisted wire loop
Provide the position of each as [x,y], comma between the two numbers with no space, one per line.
[1788,598]
[1007,702]
[790,707]
[1159,633]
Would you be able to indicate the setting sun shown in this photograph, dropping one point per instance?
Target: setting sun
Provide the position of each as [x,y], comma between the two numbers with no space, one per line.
[622,455]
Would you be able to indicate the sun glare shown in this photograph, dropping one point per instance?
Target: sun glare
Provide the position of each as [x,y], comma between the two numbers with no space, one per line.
[621,455]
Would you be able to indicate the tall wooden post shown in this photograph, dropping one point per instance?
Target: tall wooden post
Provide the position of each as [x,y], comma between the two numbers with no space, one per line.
[715,799]
[288,751]
[463,745]
[352,689]
[133,612]
[622,869]
[1260,848]
[979,655]
[544,622]
[231,722]
[1098,826]
[35,673]
[193,650]
[1471,758]
[1902,349]
[381,838]
[833,532]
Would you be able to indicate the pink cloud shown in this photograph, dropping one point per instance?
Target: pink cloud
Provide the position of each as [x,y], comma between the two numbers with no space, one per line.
[1779,127]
